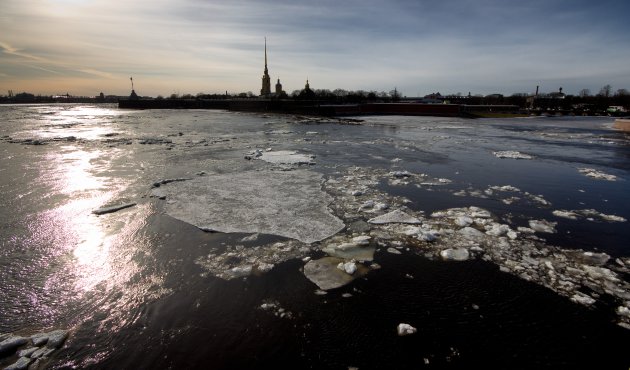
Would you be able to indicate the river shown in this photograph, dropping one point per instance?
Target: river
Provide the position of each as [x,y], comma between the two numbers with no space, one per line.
[146,287]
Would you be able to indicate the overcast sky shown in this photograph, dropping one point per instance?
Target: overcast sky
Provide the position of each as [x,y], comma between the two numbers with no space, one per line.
[188,46]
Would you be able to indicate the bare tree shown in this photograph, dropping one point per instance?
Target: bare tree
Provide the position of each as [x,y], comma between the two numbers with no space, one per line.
[584,93]
[605,90]
[622,92]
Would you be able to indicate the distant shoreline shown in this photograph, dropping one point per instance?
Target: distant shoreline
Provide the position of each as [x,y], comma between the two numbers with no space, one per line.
[323,108]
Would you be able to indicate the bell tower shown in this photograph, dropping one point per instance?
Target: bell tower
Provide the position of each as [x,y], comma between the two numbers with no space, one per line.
[266,80]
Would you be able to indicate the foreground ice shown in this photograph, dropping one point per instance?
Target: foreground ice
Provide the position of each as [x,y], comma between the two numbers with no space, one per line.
[289,204]
[476,233]
[40,346]
[327,275]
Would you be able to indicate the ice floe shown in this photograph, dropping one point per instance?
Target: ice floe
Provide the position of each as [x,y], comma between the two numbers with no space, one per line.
[159,183]
[238,260]
[111,209]
[543,226]
[589,214]
[378,220]
[351,250]
[455,254]
[591,172]
[282,157]
[349,267]
[473,232]
[505,188]
[396,216]
[324,272]
[277,310]
[40,346]
[405,329]
[276,203]
[511,154]
[11,343]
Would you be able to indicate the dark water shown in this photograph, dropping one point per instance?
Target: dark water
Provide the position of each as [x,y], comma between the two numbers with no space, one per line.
[127,285]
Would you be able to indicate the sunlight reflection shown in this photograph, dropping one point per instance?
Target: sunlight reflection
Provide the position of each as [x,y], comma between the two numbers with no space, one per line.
[78,174]
[83,122]
[75,168]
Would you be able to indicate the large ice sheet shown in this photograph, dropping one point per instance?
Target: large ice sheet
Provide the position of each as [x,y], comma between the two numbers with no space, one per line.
[289,204]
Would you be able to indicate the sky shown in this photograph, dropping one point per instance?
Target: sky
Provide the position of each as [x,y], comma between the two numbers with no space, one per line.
[84,47]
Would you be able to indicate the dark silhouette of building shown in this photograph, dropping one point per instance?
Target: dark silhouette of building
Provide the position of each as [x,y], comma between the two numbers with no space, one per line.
[266,80]
[278,88]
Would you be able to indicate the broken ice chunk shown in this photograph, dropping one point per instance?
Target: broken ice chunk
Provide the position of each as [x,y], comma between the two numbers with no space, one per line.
[471,233]
[325,274]
[400,174]
[286,157]
[543,226]
[362,240]
[405,329]
[56,338]
[20,364]
[463,221]
[396,216]
[505,188]
[11,343]
[497,229]
[589,214]
[583,299]
[565,214]
[110,209]
[428,235]
[591,172]
[239,271]
[511,154]
[264,267]
[360,252]
[348,267]
[27,352]
[455,254]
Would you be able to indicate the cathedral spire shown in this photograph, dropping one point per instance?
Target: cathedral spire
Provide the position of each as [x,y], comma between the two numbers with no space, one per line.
[266,80]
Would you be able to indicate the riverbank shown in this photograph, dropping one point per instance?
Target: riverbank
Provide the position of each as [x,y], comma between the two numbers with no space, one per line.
[622,124]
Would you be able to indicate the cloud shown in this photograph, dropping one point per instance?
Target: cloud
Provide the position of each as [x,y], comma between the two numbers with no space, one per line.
[419,46]
[95,72]
[8,49]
